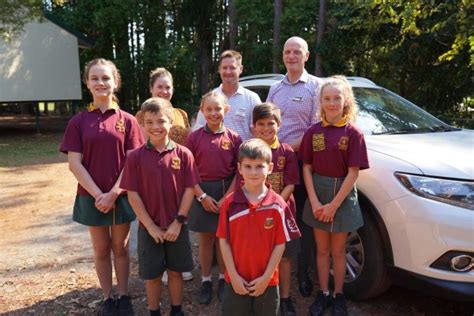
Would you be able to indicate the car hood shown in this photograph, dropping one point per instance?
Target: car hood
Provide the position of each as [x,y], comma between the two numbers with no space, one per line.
[443,154]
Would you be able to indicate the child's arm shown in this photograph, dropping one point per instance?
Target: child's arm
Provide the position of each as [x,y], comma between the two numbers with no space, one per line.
[312,197]
[209,203]
[286,192]
[82,175]
[143,216]
[259,285]
[329,210]
[174,228]
[238,283]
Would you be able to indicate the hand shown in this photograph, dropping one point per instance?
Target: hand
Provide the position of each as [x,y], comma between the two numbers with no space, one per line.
[157,233]
[219,204]
[327,212]
[172,231]
[258,286]
[316,209]
[239,285]
[106,201]
[209,204]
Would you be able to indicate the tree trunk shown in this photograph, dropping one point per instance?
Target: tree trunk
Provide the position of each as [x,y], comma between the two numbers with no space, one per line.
[276,34]
[318,70]
[232,24]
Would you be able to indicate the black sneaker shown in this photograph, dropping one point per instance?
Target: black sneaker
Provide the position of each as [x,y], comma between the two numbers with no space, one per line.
[205,294]
[305,285]
[109,308]
[220,290]
[339,305]
[321,302]
[124,306]
[287,308]
[177,313]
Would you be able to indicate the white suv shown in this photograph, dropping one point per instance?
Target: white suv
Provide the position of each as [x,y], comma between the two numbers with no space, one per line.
[417,198]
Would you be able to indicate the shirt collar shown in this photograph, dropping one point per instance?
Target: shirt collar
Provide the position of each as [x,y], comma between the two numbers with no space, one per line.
[114,106]
[240,90]
[219,131]
[275,144]
[342,122]
[239,195]
[169,146]
[303,78]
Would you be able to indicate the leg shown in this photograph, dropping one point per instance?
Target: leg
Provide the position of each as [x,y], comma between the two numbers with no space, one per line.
[153,293]
[120,237]
[102,244]
[338,253]
[206,252]
[220,261]
[323,241]
[285,276]
[175,287]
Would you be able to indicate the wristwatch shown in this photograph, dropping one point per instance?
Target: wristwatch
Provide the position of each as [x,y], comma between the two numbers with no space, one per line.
[181,218]
[201,197]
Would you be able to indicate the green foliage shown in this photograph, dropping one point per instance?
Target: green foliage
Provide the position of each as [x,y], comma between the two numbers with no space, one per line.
[14,14]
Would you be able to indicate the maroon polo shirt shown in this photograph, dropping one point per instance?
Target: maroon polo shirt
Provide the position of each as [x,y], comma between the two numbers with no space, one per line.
[253,231]
[103,139]
[331,150]
[215,153]
[160,179]
[285,166]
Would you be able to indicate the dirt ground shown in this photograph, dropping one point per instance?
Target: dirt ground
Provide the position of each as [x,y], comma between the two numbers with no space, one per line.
[46,265]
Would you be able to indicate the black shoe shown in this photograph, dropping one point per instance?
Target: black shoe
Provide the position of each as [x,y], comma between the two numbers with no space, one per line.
[305,286]
[124,306]
[108,307]
[205,294]
[321,302]
[220,290]
[177,313]
[287,308]
[339,305]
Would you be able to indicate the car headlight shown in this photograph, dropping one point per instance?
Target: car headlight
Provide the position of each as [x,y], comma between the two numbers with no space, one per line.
[455,192]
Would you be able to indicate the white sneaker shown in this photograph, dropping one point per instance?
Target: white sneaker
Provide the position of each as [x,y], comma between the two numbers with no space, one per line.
[187,276]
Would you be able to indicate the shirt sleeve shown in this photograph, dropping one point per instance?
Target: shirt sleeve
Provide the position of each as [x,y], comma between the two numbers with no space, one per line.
[237,143]
[281,233]
[291,173]
[290,224]
[134,138]
[357,151]
[271,93]
[191,172]
[130,176]
[72,139]
[306,148]
[315,109]
[223,218]
[190,142]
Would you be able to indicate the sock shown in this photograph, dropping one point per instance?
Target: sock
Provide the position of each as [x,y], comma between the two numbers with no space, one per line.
[326,293]
[156,312]
[175,309]
[221,276]
[204,278]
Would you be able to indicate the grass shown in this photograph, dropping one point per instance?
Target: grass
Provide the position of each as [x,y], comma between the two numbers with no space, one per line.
[29,149]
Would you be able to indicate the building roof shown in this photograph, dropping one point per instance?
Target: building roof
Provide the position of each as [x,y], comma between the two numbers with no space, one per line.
[82,40]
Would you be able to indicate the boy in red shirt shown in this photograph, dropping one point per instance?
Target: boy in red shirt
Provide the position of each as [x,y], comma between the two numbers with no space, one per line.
[253,232]
[159,178]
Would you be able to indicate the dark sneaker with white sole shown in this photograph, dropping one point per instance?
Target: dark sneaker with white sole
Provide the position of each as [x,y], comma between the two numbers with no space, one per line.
[205,293]
[339,305]
[321,302]
[124,306]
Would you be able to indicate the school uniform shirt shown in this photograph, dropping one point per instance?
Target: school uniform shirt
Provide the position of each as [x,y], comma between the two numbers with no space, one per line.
[103,139]
[298,103]
[285,166]
[239,116]
[332,149]
[215,153]
[160,179]
[253,230]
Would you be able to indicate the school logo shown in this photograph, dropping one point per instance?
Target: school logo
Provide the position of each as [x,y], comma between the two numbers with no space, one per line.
[343,143]
[281,162]
[268,223]
[120,126]
[226,144]
[276,181]
[176,163]
[318,142]
[291,225]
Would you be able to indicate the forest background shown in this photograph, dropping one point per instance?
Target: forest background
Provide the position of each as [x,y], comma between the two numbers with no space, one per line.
[423,50]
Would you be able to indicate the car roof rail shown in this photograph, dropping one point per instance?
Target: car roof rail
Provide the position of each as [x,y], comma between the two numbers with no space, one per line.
[263,76]
[361,79]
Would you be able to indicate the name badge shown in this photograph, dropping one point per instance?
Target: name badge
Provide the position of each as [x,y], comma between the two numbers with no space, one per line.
[297,99]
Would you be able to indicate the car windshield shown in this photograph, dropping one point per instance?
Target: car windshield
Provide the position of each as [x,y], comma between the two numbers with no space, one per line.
[384,112]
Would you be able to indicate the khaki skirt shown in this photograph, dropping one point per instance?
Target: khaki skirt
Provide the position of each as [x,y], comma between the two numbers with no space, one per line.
[87,214]
[348,216]
[200,220]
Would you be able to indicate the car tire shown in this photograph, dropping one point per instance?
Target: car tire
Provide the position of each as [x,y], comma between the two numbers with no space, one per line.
[372,278]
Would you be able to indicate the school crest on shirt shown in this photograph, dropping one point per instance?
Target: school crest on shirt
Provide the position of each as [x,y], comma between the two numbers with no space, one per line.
[226,144]
[281,162]
[276,181]
[176,163]
[268,223]
[318,142]
[120,125]
[343,143]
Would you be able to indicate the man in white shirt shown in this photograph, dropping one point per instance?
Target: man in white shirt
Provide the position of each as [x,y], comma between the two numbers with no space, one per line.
[240,99]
